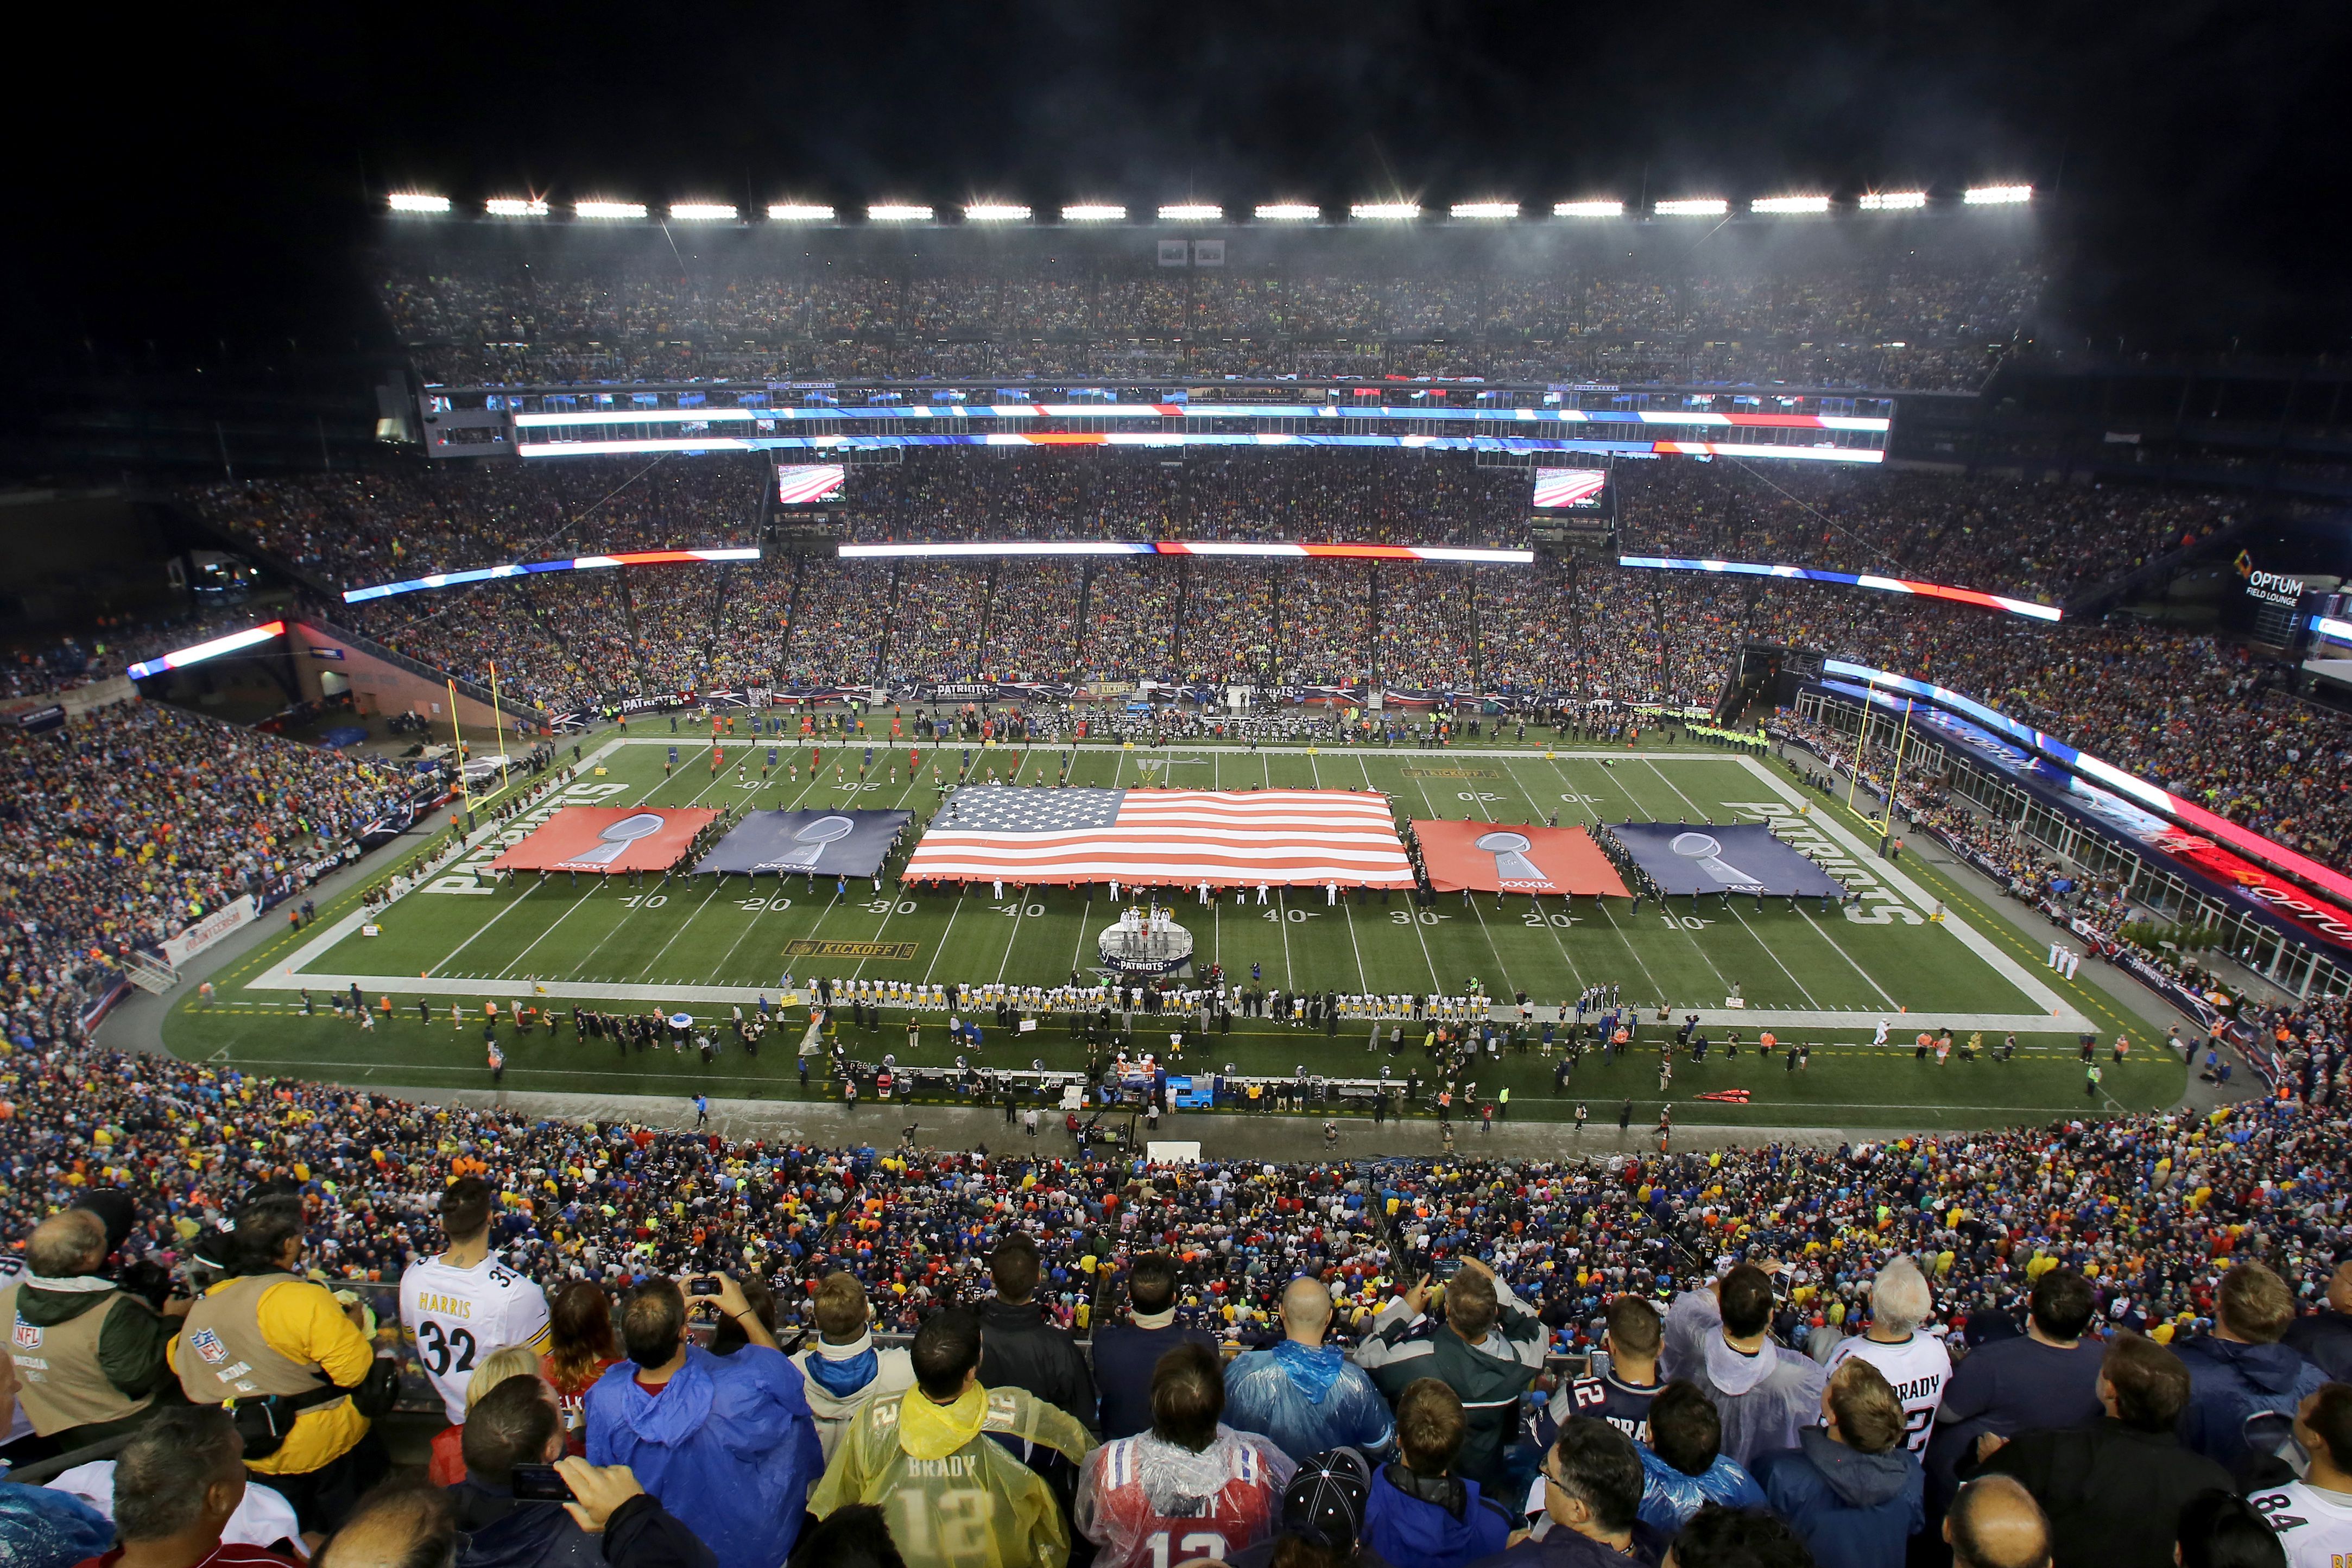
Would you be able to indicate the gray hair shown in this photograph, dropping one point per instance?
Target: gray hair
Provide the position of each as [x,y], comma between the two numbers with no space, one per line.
[1899,1296]
[163,1473]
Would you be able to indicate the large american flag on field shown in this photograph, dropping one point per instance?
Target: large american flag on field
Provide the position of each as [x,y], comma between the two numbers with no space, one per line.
[1163,837]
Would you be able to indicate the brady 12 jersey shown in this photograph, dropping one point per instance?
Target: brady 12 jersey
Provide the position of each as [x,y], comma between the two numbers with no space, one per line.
[1148,1504]
[1624,1406]
[1917,1368]
[458,1316]
[2315,1526]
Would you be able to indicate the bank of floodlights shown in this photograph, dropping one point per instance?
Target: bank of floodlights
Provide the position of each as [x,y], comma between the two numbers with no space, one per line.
[1790,205]
[995,212]
[417,202]
[1095,212]
[1998,195]
[1588,209]
[1893,201]
[1485,209]
[898,212]
[1694,206]
[515,206]
[1192,212]
[1289,212]
[799,212]
[703,212]
[602,209]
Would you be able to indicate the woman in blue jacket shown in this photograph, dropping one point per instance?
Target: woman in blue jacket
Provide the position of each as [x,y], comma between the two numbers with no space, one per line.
[1850,1489]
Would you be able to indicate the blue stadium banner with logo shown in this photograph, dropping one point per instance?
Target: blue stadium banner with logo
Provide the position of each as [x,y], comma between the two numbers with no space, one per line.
[818,843]
[1744,857]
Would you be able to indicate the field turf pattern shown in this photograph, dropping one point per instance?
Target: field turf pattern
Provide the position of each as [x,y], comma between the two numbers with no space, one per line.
[703,933]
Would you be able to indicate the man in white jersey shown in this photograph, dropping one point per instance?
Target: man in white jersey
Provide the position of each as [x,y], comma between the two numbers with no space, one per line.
[460,1306]
[2314,1516]
[1913,1361]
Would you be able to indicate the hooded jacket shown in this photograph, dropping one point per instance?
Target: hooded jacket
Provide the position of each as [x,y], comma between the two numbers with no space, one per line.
[954,1497]
[1765,1399]
[1669,1496]
[497,1532]
[837,1379]
[1019,1348]
[1852,1509]
[1306,1399]
[1432,1524]
[1489,1376]
[728,1442]
[2229,1381]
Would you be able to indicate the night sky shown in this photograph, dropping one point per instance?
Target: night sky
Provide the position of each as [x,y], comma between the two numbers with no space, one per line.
[202,180]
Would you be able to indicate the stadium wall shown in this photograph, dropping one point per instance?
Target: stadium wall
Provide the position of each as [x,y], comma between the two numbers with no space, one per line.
[379,686]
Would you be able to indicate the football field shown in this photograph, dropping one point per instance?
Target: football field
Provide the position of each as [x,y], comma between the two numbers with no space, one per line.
[1914,951]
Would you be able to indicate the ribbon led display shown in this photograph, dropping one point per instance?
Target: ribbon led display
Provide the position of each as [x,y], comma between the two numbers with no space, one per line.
[1852,580]
[525,568]
[1154,438]
[204,650]
[1199,411]
[1193,547]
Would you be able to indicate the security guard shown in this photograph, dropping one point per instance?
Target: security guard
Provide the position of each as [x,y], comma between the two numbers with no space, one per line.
[287,1358]
[89,1358]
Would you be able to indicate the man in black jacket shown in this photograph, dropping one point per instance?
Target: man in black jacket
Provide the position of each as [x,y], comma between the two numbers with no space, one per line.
[2324,1338]
[1127,1349]
[1018,1347]
[2113,1492]
[514,1423]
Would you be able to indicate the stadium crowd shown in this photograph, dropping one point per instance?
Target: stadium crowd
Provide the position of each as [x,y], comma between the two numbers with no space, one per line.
[2179,1271]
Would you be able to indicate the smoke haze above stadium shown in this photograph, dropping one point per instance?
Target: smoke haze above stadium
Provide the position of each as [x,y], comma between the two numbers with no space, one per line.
[207,207]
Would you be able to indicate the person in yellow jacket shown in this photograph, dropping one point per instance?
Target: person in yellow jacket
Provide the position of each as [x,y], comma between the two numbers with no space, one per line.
[954,1498]
[266,1332]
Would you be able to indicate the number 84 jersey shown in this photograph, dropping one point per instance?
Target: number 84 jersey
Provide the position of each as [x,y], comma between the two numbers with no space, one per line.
[455,1316]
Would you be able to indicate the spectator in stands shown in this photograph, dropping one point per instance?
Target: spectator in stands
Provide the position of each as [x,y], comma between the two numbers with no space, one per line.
[1189,1486]
[2221,1529]
[1419,1510]
[1302,1394]
[1127,1350]
[2047,1376]
[2324,1338]
[1019,1348]
[404,1523]
[1995,1523]
[580,1346]
[2313,1515]
[2240,1369]
[447,1466]
[1488,1350]
[1851,1489]
[1682,1466]
[176,1484]
[1720,1339]
[1593,1500]
[92,1359]
[1914,1363]
[726,1442]
[2113,1492]
[1621,1395]
[920,1454]
[844,1368]
[1719,1537]
[855,1536]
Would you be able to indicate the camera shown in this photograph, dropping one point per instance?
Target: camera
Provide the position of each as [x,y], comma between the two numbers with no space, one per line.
[541,1483]
[703,1285]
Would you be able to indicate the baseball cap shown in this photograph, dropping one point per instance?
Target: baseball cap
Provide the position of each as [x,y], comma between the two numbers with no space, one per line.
[1326,1499]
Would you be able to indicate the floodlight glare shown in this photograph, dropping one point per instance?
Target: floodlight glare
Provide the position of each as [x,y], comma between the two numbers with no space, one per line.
[1289,212]
[1192,212]
[1694,206]
[410,202]
[1095,212]
[608,209]
[1384,210]
[1485,209]
[515,206]
[799,212]
[703,212]
[995,212]
[1998,195]
[1588,209]
[896,212]
[1790,205]
[1893,201]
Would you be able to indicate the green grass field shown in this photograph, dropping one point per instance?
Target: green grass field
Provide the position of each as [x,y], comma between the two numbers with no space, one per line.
[703,946]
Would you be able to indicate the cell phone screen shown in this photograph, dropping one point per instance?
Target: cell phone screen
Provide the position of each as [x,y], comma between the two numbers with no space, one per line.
[706,1286]
[541,1483]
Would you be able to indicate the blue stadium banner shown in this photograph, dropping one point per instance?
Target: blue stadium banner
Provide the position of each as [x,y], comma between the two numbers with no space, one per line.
[1744,857]
[828,843]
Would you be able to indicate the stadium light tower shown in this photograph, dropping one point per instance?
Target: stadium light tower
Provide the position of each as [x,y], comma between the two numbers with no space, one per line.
[1998,195]
[1790,205]
[995,212]
[1192,212]
[1588,209]
[1893,201]
[1694,206]
[608,209]
[1289,212]
[1485,209]
[703,212]
[898,212]
[417,202]
[1095,212]
[799,212]
[1385,212]
[516,207]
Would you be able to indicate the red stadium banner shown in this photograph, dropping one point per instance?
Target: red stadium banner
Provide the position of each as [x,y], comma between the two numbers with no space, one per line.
[1492,857]
[609,838]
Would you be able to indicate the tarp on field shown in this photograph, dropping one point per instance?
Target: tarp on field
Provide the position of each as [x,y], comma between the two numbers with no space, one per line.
[828,843]
[1742,858]
[1494,857]
[609,838]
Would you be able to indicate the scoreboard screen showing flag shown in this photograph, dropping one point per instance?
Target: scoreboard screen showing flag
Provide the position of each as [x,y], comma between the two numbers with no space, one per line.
[1571,490]
[1162,837]
[804,484]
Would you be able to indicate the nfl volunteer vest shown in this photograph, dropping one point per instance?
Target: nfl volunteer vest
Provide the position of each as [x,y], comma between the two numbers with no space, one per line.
[58,1381]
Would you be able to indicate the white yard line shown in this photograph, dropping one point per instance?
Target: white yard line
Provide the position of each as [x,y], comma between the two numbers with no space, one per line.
[1411,911]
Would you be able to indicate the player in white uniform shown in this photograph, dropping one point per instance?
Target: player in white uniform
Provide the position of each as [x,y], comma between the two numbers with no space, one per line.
[2312,1516]
[1913,1361]
[460,1306]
